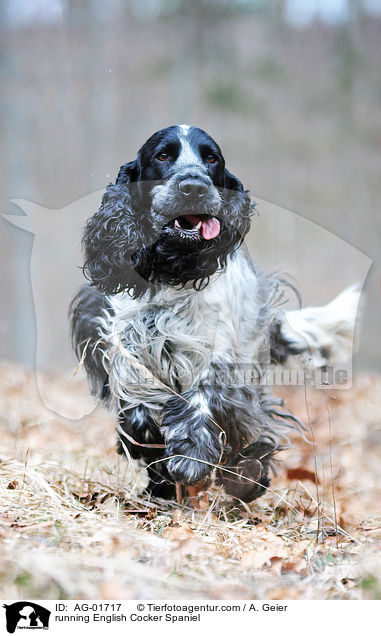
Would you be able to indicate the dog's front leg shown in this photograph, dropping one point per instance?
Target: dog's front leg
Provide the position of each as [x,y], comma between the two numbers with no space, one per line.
[194,440]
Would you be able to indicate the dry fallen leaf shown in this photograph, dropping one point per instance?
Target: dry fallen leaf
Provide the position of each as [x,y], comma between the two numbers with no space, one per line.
[191,547]
[256,559]
[180,533]
[265,547]
[259,535]
[302,474]
[297,565]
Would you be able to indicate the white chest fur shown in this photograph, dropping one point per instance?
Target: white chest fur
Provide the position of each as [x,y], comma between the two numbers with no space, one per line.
[167,341]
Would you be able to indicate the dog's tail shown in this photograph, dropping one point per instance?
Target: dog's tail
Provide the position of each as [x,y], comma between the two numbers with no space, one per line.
[322,335]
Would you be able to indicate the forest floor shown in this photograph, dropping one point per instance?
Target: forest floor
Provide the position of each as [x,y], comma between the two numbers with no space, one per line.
[75,522]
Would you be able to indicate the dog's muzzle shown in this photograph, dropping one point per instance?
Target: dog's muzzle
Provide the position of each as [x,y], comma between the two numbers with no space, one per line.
[190,203]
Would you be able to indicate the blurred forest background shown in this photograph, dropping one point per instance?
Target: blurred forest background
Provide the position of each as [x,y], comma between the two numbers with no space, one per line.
[291,90]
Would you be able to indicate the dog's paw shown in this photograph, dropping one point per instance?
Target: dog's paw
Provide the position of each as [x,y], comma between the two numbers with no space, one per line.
[322,335]
[187,471]
[188,463]
[246,475]
[193,440]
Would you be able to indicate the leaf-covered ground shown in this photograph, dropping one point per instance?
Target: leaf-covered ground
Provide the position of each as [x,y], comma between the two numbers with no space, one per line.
[74,522]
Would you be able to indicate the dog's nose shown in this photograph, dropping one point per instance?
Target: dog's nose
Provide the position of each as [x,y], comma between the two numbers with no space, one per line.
[193,188]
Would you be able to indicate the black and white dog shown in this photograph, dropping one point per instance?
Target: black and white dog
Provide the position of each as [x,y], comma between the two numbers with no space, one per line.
[175,307]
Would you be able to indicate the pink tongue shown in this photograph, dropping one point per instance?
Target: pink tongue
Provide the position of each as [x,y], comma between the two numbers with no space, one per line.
[210,228]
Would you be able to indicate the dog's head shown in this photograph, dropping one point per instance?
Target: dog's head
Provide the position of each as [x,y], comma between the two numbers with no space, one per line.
[173,216]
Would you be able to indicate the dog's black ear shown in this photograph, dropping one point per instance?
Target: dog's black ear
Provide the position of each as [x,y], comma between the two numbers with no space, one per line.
[231,182]
[129,172]
[238,203]
[113,236]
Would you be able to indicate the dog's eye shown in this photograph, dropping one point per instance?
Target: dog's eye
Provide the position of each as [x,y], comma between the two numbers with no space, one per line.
[163,156]
[211,158]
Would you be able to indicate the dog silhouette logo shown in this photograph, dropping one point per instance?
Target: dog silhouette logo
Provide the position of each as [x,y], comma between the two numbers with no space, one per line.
[26,615]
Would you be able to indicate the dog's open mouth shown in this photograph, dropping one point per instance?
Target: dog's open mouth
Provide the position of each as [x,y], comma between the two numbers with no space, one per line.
[195,226]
